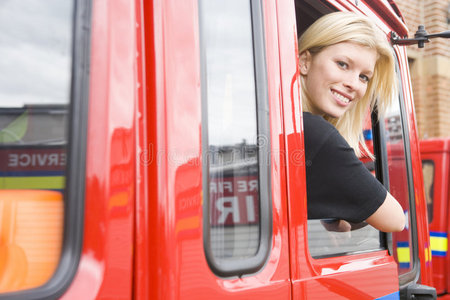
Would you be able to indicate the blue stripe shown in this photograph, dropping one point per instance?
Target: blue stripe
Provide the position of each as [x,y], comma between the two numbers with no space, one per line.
[402,244]
[438,253]
[31,173]
[438,234]
[404,265]
[393,296]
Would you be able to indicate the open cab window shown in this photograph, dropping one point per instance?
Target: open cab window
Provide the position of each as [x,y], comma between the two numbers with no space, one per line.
[388,139]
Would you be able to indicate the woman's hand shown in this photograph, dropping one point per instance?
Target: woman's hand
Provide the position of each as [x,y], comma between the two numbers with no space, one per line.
[336,225]
[341,225]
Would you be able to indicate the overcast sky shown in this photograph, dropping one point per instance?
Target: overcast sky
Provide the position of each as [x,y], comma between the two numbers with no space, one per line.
[35,47]
[230,71]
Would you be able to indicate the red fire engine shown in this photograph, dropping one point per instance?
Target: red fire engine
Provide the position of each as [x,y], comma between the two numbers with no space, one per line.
[154,150]
[435,155]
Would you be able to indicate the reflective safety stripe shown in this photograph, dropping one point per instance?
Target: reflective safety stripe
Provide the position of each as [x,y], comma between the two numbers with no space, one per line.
[393,296]
[33,182]
[427,255]
[439,243]
[403,255]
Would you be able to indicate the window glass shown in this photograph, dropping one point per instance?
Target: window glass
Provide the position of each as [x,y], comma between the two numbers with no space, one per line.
[35,46]
[233,189]
[323,242]
[398,183]
[428,185]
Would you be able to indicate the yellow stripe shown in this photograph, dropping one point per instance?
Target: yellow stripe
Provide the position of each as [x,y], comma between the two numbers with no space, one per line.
[427,254]
[30,182]
[403,255]
[438,243]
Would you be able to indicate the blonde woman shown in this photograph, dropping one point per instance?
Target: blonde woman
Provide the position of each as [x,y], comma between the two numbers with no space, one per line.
[346,65]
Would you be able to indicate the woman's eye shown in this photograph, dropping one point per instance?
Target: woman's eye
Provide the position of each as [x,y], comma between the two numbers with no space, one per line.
[342,64]
[364,78]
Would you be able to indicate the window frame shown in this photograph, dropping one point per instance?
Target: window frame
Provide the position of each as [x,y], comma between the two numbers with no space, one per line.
[253,264]
[382,174]
[413,275]
[76,163]
[381,166]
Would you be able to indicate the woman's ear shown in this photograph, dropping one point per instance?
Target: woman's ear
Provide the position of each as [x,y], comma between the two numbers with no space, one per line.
[304,61]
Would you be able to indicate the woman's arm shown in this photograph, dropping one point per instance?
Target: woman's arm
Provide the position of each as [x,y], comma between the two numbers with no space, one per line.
[389,217]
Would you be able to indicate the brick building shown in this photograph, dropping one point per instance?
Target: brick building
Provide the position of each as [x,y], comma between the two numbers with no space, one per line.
[430,66]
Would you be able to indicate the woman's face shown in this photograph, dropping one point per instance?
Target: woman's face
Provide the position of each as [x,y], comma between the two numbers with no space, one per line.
[337,77]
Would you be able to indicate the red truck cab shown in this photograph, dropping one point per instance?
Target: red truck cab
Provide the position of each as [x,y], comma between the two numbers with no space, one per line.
[184,169]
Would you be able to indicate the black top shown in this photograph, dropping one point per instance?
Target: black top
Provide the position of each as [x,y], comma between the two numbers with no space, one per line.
[338,185]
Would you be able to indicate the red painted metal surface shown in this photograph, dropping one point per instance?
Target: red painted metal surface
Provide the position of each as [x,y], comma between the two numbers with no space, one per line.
[438,151]
[141,276]
[381,12]
[106,266]
[143,221]
[177,266]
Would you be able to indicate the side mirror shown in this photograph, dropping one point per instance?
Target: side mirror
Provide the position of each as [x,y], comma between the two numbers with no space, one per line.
[420,37]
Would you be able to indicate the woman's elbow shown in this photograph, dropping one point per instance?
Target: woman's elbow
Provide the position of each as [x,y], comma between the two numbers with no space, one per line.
[393,224]
[398,220]
[399,224]
[389,217]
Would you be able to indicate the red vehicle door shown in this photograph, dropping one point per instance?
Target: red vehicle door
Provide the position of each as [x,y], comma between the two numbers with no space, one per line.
[179,157]
[213,117]
[346,265]
[435,155]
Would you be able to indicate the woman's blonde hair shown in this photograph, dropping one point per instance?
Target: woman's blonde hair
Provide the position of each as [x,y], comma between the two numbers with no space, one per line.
[341,27]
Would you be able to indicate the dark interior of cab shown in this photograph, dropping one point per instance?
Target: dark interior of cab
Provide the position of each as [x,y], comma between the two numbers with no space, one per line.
[307,11]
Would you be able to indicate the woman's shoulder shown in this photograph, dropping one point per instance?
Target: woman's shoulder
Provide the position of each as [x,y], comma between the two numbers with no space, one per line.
[319,133]
[316,125]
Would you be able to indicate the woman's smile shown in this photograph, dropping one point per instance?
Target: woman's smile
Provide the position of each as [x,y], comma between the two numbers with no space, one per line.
[342,98]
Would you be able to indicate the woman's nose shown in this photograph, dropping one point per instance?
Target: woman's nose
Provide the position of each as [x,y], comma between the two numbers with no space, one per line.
[351,81]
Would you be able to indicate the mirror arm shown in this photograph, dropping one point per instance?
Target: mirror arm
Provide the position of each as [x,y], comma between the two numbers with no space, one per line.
[420,37]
